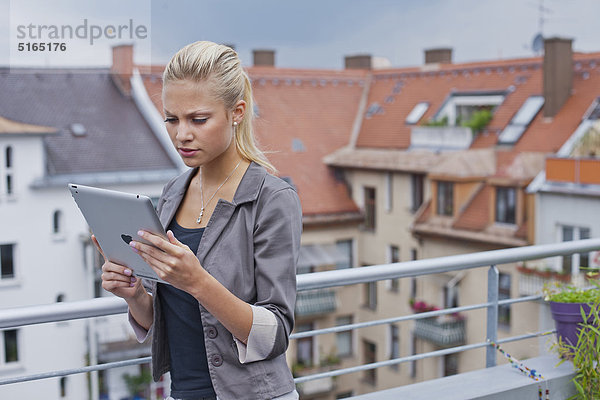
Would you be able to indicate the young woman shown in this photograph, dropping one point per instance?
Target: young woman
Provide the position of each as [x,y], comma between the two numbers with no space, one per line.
[222,323]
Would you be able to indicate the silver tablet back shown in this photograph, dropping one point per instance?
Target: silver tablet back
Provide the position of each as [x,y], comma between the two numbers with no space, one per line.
[115,218]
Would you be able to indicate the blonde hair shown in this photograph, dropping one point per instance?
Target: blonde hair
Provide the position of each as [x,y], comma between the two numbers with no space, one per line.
[220,65]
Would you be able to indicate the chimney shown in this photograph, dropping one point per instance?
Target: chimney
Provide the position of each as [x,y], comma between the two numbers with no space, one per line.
[264,58]
[442,55]
[122,61]
[121,69]
[558,74]
[360,61]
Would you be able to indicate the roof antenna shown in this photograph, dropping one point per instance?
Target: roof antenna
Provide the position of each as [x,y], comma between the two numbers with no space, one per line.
[538,40]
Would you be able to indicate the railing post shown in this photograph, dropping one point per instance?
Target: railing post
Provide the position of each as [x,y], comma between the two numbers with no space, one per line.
[492,316]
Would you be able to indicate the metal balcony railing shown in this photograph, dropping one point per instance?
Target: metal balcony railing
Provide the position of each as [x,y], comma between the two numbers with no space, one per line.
[441,333]
[315,302]
[16,317]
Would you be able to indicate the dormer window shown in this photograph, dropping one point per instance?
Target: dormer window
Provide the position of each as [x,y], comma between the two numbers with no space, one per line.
[445,198]
[459,108]
[506,205]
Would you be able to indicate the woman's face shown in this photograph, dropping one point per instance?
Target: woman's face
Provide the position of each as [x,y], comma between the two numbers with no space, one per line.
[198,124]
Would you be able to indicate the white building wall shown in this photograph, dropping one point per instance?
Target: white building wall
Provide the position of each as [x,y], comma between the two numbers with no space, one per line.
[48,265]
[553,210]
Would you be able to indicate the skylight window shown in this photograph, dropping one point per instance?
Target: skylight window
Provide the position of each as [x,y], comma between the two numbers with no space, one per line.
[521,120]
[593,112]
[77,129]
[373,109]
[298,145]
[528,110]
[416,113]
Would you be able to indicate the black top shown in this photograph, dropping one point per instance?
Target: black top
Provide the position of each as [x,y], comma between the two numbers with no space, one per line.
[185,336]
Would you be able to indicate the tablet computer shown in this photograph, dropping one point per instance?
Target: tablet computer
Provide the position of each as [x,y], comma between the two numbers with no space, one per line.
[115,218]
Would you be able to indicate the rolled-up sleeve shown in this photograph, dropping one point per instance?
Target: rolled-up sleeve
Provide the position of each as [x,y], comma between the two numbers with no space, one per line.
[276,249]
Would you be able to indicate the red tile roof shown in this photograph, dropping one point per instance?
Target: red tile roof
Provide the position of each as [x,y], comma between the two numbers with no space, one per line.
[476,214]
[521,78]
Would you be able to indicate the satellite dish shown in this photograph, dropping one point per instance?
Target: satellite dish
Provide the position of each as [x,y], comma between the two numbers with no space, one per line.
[538,43]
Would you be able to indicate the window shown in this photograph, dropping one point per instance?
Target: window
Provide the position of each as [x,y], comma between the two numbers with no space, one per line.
[389,191]
[57,222]
[8,157]
[445,198]
[370,209]
[374,109]
[345,247]
[417,191]
[460,107]
[513,131]
[370,291]
[394,344]
[451,295]
[305,346]
[413,351]
[394,257]
[8,177]
[506,204]
[571,264]
[7,267]
[450,364]
[413,280]
[370,356]
[344,339]
[9,351]
[371,295]
[504,293]
[416,113]
[63,386]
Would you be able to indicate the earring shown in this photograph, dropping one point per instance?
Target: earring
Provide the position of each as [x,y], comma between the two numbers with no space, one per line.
[235,123]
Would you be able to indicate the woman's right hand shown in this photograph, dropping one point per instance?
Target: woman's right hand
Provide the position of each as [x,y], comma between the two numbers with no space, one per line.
[118,279]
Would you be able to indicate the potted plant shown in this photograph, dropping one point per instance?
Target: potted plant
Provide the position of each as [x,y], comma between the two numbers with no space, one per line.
[568,304]
[576,315]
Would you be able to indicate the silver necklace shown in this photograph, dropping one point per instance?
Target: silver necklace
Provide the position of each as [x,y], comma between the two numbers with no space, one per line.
[211,197]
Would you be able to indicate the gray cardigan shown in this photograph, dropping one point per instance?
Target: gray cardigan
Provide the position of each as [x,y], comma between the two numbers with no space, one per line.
[251,246]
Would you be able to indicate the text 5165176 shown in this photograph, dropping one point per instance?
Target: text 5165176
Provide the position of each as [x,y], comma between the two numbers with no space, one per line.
[43,46]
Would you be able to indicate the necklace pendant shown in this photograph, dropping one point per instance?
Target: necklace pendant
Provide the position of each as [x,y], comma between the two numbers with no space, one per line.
[200,216]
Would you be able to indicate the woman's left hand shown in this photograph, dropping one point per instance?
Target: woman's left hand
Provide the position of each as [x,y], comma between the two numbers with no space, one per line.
[172,260]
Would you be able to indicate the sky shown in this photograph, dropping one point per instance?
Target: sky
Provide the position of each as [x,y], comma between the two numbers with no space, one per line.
[304,34]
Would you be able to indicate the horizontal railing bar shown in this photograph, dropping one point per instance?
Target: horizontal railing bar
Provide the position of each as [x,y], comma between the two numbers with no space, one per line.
[21,316]
[55,374]
[351,276]
[436,353]
[520,299]
[144,360]
[525,336]
[29,315]
[349,327]
[428,314]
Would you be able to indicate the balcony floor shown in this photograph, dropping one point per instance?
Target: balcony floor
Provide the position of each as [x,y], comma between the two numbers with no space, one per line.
[497,383]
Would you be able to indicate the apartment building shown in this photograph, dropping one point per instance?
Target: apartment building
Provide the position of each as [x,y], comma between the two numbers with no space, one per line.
[59,126]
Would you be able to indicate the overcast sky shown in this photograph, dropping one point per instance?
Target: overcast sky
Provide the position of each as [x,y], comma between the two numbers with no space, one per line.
[304,34]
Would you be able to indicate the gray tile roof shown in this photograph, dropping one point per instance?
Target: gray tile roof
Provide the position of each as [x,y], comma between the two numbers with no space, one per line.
[118,138]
